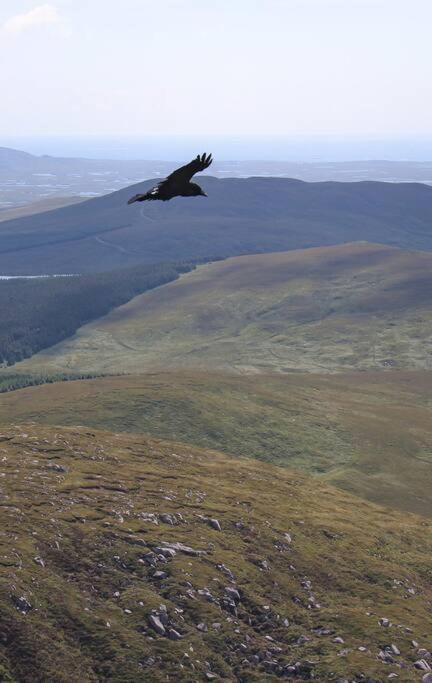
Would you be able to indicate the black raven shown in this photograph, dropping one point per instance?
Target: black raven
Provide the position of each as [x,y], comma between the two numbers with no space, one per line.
[178,183]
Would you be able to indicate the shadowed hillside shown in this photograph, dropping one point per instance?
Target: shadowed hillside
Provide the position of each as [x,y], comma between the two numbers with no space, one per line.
[239,216]
[357,306]
[369,433]
[114,568]
[39,312]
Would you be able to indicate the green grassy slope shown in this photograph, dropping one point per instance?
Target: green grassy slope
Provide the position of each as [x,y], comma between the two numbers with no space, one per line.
[240,216]
[83,514]
[369,433]
[356,306]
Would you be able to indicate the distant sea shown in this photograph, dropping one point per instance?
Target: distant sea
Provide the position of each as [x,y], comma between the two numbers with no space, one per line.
[269,148]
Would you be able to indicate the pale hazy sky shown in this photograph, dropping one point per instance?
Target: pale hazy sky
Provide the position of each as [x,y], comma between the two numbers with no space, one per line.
[216,66]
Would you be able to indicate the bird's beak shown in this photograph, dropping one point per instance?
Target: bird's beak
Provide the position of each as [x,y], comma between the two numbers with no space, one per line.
[203,194]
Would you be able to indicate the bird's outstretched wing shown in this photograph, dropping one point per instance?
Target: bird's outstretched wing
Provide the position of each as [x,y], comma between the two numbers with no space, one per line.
[185,173]
[151,194]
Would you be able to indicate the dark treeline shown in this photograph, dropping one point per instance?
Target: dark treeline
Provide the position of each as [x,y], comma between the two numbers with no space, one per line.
[38,313]
[13,381]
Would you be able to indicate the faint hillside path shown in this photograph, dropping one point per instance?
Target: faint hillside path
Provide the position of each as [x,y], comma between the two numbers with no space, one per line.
[117,247]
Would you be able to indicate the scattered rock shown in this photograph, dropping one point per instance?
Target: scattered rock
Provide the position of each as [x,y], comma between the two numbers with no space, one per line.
[170,553]
[422,665]
[427,678]
[149,662]
[386,657]
[135,540]
[323,631]
[223,568]
[160,575]
[230,605]
[330,534]
[39,561]
[173,634]
[149,558]
[167,518]
[187,550]
[156,624]
[57,467]
[384,622]
[313,603]
[163,617]
[270,664]
[22,604]
[233,593]
[149,517]
[338,639]
[207,594]
[423,653]
[214,523]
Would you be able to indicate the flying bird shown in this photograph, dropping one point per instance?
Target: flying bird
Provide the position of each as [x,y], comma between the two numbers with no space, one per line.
[178,182]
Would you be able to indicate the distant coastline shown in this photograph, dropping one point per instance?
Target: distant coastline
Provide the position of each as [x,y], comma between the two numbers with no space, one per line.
[312,148]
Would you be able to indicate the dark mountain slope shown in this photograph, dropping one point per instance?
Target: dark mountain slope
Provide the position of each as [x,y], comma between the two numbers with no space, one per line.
[240,216]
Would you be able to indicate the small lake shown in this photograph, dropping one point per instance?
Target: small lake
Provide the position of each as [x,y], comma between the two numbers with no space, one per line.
[33,277]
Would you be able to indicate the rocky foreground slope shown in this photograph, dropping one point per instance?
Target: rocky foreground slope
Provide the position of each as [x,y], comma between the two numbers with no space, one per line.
[126,558]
